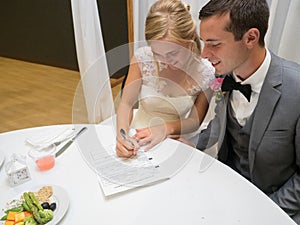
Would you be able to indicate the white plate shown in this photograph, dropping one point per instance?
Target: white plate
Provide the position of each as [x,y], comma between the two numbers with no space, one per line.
[62,200]
[60,197]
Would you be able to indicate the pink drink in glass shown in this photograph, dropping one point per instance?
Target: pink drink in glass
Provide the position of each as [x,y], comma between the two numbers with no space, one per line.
[45,163]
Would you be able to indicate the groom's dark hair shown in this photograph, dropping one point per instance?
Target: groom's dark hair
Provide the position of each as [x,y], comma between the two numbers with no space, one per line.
[244,15]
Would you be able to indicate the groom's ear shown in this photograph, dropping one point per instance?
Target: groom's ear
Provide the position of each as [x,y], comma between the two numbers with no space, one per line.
[251,37]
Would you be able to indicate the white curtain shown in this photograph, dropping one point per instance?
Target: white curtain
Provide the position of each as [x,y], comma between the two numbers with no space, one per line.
[92,60]
[284,33]
[282,38]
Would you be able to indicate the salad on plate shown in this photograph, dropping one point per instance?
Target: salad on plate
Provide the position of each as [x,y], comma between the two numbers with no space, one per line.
[32,208]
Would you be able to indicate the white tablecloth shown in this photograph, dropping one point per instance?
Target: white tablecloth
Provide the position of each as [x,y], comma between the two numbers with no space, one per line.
[216,196]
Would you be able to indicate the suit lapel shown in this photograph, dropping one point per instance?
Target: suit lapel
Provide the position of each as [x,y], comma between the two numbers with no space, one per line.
[268,98]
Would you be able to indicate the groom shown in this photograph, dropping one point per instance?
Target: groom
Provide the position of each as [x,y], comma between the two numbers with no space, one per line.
[261,135]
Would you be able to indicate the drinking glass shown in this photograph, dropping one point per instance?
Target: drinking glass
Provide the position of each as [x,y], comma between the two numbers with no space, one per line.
[44,158]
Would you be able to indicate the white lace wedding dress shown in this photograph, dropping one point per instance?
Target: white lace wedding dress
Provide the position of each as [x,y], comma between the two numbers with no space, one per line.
[157,104]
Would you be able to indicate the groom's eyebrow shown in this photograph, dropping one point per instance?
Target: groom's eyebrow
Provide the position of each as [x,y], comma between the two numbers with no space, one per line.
[210,40]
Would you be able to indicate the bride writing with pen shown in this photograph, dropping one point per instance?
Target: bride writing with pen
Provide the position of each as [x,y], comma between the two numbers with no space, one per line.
[170,79]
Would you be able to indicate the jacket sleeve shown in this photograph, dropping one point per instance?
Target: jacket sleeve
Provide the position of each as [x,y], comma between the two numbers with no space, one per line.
[209,136]
[215,130]
[288,196]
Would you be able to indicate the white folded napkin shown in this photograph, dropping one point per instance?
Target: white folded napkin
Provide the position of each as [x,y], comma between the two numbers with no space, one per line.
[50,137]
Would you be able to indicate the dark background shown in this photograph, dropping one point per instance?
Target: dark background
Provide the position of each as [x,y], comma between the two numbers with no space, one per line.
[41,31]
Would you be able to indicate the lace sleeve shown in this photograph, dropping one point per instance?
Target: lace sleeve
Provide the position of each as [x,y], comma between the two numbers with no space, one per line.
[203,76]
[149,69]
[146,62]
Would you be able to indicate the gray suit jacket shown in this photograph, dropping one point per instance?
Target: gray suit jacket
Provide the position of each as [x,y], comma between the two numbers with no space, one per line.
[274,147]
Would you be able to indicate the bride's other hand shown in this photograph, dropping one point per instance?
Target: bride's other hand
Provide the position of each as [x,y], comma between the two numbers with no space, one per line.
[126,147]
[150,136]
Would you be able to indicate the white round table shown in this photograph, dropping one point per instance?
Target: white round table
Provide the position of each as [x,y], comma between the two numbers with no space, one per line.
[216,196]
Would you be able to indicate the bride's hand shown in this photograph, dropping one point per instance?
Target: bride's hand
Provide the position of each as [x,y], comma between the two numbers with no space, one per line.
[150,136]
[126,147]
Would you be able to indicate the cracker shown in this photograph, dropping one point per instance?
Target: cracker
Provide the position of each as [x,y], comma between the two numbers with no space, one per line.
[44,194]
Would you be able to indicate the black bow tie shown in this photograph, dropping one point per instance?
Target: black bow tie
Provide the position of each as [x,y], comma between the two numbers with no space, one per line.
[230,84]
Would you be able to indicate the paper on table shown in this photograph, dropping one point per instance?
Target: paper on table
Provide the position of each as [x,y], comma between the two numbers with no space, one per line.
[162,163]
[118,174]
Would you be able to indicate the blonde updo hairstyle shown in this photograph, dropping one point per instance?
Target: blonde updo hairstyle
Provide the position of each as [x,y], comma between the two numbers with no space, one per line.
[172,20]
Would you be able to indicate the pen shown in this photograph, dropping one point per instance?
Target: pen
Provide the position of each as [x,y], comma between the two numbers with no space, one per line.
[124,135]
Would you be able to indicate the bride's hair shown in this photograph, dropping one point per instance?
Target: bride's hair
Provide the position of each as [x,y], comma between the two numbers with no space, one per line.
[172,20]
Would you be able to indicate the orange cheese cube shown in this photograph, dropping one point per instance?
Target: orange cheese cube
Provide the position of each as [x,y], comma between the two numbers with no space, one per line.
[20,223]
[9,222]
[11,215]
[19,217]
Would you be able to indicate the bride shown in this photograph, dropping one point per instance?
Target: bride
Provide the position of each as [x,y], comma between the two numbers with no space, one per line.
[169,77]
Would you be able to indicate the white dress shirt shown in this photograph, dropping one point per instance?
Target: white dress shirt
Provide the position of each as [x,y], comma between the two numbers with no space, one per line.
[242,109]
